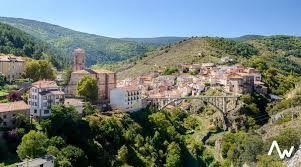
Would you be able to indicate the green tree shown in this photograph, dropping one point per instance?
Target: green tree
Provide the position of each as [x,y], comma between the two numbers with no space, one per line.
[268,161]
[89,109]
[34,144]
[122,154]
[2,79]
[173,158]
[67,76]
[57,141]
[39,69]
[88,88]
[66,122]
[74,155]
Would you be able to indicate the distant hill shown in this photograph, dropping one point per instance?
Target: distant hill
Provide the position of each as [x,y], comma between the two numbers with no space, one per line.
[248,37]
[99,49]
[16,42]
[156,40]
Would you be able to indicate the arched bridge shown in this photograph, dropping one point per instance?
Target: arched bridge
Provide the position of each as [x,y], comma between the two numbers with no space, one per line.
[224,104]
[219,102]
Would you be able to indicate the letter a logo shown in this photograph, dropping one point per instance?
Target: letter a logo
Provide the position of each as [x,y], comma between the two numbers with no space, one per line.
[281,155]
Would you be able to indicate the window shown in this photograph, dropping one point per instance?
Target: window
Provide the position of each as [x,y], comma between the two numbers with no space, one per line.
[45,104]
[4,123]
[4,116]
[35,111]
[46,111]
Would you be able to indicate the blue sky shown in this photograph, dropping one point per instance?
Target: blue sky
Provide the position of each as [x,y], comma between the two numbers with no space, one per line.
[152,18]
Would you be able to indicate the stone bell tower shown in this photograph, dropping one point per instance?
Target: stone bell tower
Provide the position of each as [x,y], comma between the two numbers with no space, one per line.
[78,59]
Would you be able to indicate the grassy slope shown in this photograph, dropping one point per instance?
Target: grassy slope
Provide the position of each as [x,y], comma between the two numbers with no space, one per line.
[196,50]
[199,50]
[156,40]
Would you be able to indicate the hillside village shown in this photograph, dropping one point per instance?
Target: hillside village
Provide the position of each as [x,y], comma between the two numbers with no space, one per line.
[128,95]
[196,102]
[125,95]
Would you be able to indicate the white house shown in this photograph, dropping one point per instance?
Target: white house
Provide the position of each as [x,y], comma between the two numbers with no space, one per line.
[42,95]
[126,98]
[45,161]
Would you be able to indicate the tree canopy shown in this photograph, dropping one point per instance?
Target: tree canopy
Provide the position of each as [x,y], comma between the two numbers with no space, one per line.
[88,88]
[34,144]
[39,69]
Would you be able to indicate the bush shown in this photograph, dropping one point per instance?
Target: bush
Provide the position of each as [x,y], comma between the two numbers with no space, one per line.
[169,71]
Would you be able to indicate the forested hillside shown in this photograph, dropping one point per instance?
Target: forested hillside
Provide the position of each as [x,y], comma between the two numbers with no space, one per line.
[99,49]
[16,42]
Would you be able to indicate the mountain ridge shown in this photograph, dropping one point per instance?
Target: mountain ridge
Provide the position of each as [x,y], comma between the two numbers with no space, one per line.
[99,49]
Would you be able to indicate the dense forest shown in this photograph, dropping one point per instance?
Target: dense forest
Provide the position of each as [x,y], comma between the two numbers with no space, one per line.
[146,138]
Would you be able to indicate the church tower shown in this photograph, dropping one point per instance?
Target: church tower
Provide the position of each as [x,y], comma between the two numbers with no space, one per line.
[79,59]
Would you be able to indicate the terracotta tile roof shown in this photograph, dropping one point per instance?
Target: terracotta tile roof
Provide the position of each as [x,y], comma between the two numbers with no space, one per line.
[44,84]
[10,58]
[100,71]
[233,76]
[92,71]
[13,106]
[73,102]
[81,72]
[52,92]
[129,88]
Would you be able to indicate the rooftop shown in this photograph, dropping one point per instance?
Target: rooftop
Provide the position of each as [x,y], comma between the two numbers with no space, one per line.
[10,59]
[91,71]
[73,102]
[129,88]
[44,84]
[52,92]
[13,106]
[36,161]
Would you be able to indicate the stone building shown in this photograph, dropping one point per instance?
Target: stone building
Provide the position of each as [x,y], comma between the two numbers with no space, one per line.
[9,111]
[78,59]
[106,80]
[240,84]
[11,67]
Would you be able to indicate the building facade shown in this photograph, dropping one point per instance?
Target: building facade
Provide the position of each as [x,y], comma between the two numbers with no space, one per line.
[126,99]
[9,112]
[240,84]
[106,80]
[11,67]
[42,95]
[78,59]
